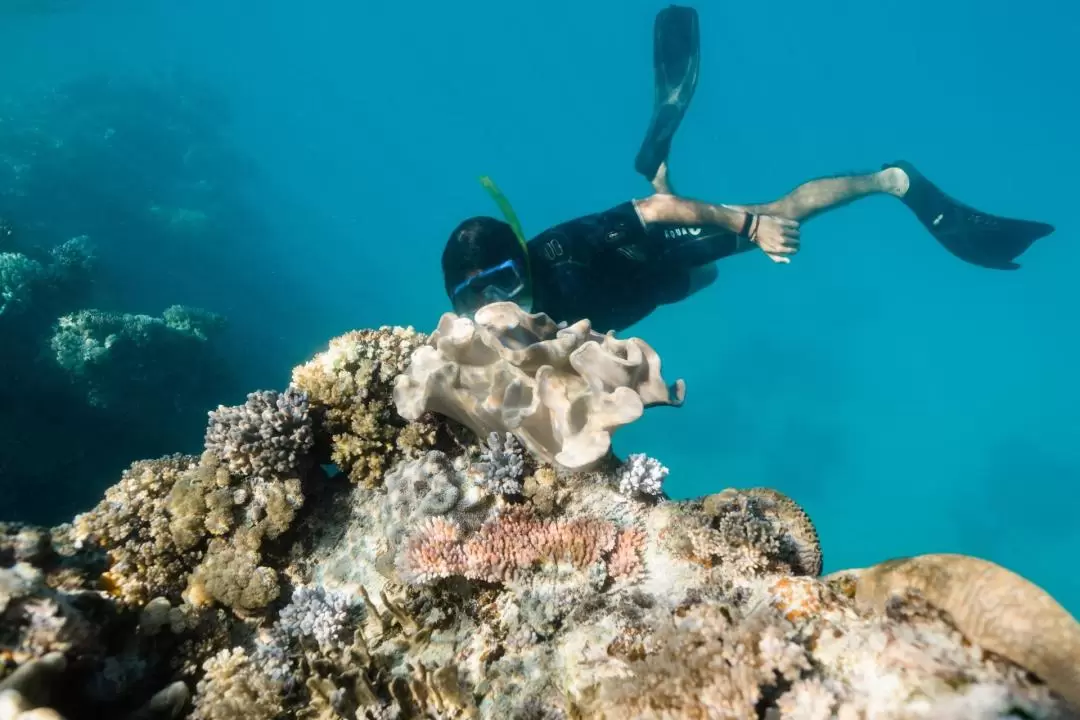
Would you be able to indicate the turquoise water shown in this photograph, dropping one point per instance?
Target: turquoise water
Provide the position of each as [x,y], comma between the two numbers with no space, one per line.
[911,402]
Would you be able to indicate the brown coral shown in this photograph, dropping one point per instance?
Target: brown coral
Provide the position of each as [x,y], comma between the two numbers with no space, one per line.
[706,665]
[796,534]
[234,515]
[234,688]
[133,525]
[994,607]
[350,385]
[232,575]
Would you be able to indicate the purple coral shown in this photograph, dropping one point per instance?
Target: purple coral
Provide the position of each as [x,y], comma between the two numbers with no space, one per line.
[320,614]
[503,465]
[268,436]
[315,614]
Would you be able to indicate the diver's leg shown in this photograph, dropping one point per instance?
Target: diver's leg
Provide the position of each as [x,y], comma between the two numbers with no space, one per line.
[772,226]
[804,202]
[661,182]
[820,195]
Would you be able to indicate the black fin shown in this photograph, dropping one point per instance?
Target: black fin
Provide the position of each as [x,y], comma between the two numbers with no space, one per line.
[676,60]
[977,237]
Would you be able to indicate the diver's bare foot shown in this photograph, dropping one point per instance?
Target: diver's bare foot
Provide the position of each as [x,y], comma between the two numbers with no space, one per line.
[894,181]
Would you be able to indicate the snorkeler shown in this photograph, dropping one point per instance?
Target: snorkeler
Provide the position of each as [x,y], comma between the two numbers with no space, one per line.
[617,266]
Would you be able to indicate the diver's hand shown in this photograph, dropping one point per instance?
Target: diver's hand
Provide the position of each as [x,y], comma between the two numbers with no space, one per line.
[777,237]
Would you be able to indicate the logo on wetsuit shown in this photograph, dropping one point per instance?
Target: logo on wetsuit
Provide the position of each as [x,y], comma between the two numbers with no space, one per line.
[682,232]
[553,249]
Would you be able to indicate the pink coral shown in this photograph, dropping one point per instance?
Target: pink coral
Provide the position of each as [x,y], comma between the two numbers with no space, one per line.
[513,541]
[434,551]
[625,559]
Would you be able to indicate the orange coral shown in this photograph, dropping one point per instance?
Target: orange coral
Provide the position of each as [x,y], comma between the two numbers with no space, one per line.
[798,598]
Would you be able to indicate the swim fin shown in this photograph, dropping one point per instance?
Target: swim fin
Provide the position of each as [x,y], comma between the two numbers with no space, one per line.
[676,59]
[977,237]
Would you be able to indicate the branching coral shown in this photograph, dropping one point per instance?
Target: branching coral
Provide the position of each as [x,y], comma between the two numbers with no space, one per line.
[502,465]
[35,619]
[349,387]
[562,392]
[18,275]
[233,688]
[113,355]
[799,539]
[641,474]
[182,516]
[512,542]
[268,436]
[750,531]
[26,282]
[318,615]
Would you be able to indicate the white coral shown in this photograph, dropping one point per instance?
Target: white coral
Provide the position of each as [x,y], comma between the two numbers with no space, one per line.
[641,474]
[561,391]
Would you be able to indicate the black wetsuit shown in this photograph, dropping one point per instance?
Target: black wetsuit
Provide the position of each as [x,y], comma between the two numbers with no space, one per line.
[612,269]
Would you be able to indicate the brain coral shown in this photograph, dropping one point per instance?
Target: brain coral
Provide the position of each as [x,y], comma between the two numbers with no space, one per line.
[561,391]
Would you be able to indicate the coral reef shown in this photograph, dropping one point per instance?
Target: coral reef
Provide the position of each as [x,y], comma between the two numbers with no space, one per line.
[464,575]
[127,193]
[561,391]
[502,465]
[1001,611]
[111,356]
[88,371]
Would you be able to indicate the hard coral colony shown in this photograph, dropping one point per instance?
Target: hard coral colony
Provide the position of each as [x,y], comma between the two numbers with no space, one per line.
[483,554]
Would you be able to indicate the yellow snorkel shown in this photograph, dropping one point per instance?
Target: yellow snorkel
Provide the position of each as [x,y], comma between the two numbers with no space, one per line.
[512,220]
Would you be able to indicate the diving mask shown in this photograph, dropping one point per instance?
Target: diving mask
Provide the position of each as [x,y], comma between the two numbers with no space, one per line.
[503,283]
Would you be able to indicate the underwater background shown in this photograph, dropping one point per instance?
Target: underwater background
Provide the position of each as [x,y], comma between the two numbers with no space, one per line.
[296,170]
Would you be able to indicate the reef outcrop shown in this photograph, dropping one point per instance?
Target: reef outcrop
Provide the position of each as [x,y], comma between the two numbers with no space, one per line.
[394,535]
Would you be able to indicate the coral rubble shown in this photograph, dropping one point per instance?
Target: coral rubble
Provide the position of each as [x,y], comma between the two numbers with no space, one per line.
[454,568]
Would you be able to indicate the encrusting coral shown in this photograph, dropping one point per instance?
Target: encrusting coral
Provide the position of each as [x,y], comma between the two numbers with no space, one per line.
[994,607]
[474,576]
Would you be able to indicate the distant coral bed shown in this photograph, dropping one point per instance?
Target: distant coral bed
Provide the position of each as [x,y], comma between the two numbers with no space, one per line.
[435,526]
[119,204]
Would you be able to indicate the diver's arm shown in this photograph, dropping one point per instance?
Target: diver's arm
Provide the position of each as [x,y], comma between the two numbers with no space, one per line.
[671,209]
[777,236]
